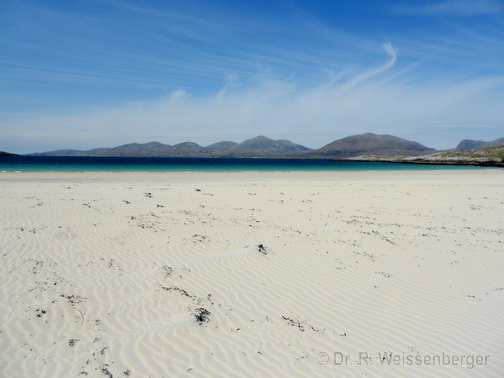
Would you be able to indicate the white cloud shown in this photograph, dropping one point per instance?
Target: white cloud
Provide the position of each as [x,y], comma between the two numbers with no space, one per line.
[391,51]
[313,115]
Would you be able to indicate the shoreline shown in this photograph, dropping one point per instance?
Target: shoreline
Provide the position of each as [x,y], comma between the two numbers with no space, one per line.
[239,175]
[477,162]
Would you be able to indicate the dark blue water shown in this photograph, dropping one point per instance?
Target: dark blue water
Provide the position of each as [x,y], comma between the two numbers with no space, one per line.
[150,164]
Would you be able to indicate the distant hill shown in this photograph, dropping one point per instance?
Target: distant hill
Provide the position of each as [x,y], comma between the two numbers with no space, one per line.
[220,147]
[56,153]
[256,147]
[151,149]
[263,146]
[487,152]
[469,144]
[3,153]
[370,144]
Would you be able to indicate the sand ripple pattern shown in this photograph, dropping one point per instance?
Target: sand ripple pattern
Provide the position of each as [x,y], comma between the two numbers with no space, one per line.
[171,275]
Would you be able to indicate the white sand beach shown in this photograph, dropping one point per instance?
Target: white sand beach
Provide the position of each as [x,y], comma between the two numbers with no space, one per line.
[252,274]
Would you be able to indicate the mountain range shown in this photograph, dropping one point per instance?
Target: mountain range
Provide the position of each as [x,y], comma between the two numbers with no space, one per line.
[367,146]
[261,146]
[256,147]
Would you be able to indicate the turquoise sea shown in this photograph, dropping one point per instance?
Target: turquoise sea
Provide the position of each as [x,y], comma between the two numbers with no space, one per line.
[150,164]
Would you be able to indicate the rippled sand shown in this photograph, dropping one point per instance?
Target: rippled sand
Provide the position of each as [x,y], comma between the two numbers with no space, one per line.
[265,274]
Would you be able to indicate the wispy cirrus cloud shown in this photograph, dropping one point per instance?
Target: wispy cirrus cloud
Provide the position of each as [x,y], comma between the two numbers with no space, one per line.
[108,72]
[456,8]
[375,100]
[391,51]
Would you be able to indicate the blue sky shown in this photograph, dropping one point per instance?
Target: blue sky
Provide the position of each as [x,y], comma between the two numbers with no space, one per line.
[100,73]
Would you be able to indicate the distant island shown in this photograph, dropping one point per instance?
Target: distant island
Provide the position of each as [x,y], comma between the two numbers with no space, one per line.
[261,146]
[367,147]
